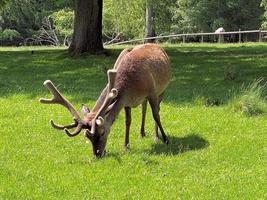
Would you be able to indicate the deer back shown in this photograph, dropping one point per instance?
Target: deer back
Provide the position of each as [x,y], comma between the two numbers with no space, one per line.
[142,72]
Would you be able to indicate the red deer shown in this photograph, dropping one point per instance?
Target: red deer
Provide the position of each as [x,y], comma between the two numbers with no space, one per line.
[139,75]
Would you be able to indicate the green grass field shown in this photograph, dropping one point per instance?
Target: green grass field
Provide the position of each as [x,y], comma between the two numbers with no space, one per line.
[214,152]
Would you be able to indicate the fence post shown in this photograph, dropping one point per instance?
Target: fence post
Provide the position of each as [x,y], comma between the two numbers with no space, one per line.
[202,37]
[239,36]
[183,38]
[221,37]
[260,36]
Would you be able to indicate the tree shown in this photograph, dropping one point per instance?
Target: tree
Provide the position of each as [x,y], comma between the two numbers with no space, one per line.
[87,36]
[149,28]
[163,15]
[62,21]
[264,22]
[124,17]
[208,15]
[26,16]
[127,18]
[3,3]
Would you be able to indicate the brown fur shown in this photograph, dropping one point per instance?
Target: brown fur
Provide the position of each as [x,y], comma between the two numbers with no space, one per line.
[139,75]
[143,73]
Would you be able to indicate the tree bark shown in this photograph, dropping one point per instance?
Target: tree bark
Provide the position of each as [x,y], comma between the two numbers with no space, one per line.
[149,30]
[87,36]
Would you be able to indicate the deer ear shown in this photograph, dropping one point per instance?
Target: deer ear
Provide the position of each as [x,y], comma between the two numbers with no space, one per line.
[85,110]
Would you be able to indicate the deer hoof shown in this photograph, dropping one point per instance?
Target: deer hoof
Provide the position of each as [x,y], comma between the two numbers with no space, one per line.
[142,134]
[166,141]
[156,139]
[127,147]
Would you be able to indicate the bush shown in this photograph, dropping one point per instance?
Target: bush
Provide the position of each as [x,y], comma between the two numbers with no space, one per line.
[264,17]
[10,37]
[251,100]
[125,18]
[63,21]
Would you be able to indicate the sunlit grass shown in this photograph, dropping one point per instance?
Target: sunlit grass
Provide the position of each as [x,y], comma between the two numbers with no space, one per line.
[214,152]
[251,100]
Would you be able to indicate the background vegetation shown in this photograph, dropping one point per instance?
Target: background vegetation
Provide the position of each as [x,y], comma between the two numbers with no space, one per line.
[214,111]
[127,18]
[216,151]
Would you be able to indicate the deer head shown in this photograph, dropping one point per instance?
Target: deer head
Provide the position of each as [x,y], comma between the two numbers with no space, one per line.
[96,129]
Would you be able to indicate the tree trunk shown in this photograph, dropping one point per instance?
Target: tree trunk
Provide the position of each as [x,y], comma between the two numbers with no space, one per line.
[149,31]
[87,36]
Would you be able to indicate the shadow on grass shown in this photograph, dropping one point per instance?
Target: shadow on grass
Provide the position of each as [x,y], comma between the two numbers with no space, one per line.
[115,156]
[179,145]
[197,72]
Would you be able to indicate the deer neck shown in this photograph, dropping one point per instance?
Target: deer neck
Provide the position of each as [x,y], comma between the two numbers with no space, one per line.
[113,113]
[98,104]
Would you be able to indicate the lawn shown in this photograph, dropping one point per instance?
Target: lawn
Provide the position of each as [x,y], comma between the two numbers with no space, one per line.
[214,152]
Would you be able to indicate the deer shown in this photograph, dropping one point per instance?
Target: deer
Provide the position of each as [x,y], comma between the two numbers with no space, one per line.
[140,75]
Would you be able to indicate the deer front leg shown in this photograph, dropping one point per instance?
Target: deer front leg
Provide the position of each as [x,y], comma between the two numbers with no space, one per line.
[128,120]
[156,136]
[142,131]
[153,101]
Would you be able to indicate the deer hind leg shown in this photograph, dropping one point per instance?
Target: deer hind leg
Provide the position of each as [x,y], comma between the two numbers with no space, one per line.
[154,103]
[128,121]
[142,130]
[156,126]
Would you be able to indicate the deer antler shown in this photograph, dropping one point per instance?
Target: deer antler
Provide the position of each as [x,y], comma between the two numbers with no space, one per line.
[76,132]
[61,127]
[111,95]
[59,99]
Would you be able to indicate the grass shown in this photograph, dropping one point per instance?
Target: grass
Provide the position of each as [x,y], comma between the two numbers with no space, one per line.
[251,100]
[215,153]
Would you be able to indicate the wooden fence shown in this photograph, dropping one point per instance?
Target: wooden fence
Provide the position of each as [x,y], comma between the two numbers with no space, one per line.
[183,36]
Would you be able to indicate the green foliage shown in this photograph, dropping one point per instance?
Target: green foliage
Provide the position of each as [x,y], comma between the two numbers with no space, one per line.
[126,17]
[213,153]
[63,22]
[208,15]
[3,3]
[9,35]
[251,100]
[164,15]
[26,16]
[264,21]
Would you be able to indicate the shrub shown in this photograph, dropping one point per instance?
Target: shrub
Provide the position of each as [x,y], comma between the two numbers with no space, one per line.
[251,99]
[124,17]
[63,22]
[10,35]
